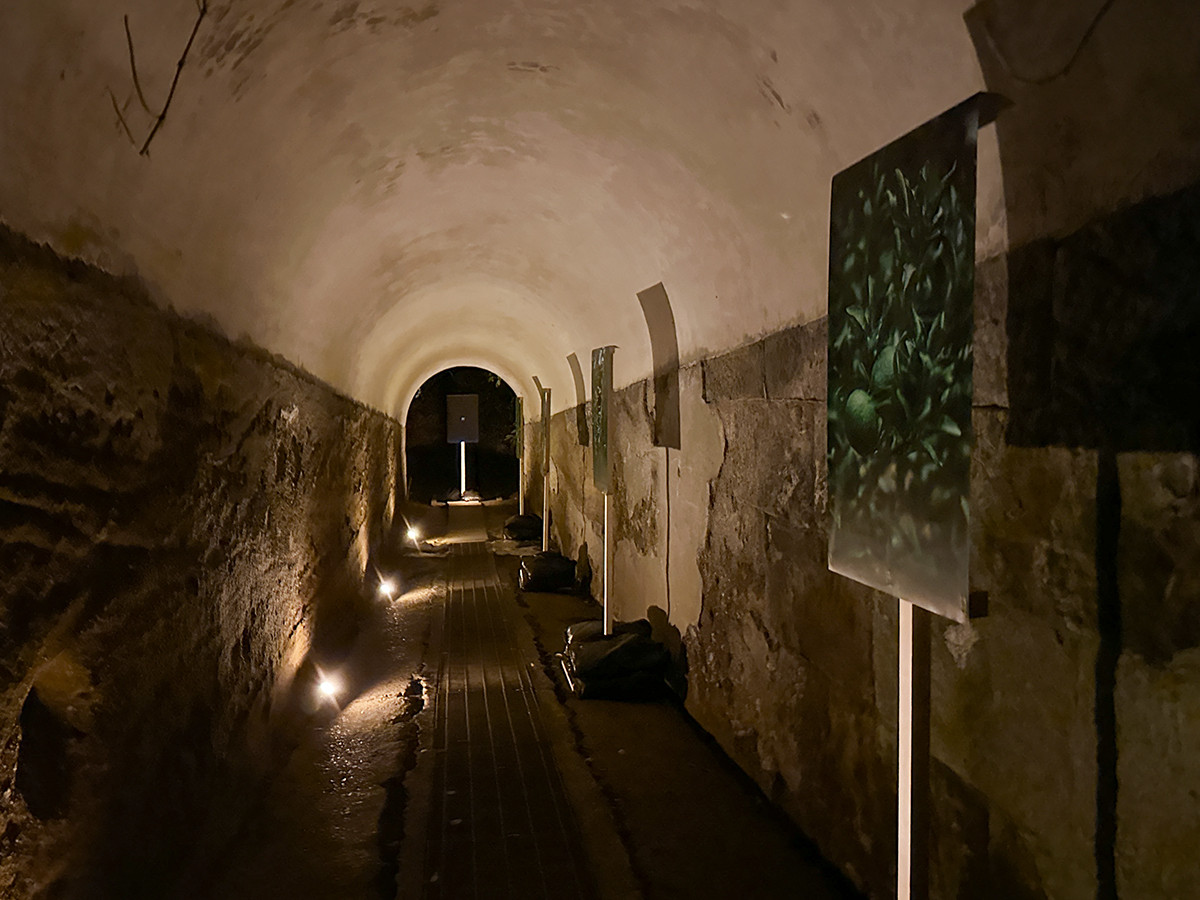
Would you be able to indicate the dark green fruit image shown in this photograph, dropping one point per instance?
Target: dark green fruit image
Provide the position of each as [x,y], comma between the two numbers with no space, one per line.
[901,284]
[883,373]
[862,421]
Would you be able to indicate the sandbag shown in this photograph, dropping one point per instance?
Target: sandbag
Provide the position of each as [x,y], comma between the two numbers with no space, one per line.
[546,572]
[524,528]
[616,655]
[593,629]
[625,665]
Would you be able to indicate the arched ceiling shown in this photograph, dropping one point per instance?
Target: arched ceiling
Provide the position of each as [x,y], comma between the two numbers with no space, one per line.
[377,192]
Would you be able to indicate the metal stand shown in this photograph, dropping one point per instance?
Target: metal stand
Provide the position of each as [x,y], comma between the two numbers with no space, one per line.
[607,564]
[912,806]
[545,392]
[462,469]
[546,511]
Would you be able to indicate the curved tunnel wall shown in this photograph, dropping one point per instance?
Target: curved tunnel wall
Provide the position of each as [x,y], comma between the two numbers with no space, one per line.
[185,529]
[376,194]
[432,465]
[349,185]
[1063,721]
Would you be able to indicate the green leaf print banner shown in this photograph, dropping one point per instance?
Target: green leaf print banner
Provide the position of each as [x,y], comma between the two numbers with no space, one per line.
[901,285]
[602,379]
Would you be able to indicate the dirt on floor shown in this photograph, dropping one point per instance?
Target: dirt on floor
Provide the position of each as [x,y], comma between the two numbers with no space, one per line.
[690,823]
[663,812]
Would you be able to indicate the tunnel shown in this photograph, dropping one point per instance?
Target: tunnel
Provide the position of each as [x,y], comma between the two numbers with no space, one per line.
[437,468]
[248,246]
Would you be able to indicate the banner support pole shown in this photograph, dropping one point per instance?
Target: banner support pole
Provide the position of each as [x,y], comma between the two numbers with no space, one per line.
[607,563]
[545,469]
[912,802]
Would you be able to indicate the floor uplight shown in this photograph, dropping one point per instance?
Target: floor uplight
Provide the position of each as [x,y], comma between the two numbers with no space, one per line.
[387,587]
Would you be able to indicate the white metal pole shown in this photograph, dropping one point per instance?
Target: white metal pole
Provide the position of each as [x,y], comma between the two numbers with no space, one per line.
[545,469]
[546,511]
[462,469]
[912,808]
[607,564]
[904,757]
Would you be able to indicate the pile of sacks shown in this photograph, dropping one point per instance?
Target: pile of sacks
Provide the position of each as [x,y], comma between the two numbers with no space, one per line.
[627,664]
[523,528]
[546,573]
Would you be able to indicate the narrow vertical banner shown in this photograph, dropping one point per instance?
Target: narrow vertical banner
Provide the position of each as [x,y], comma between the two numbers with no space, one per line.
[601,401]
[462,418]
[519,446]
[546,432]
[544,393]
[601,457]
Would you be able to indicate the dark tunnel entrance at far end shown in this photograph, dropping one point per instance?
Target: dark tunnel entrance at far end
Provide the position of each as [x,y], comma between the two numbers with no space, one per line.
[434,463]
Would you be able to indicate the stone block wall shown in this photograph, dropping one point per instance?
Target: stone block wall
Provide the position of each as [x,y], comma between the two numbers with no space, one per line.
[1064,723]
[186,526]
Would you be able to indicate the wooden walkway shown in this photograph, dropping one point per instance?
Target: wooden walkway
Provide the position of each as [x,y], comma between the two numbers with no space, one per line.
[500,825]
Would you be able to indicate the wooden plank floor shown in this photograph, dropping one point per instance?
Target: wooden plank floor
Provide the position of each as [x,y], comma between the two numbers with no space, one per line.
[500,825]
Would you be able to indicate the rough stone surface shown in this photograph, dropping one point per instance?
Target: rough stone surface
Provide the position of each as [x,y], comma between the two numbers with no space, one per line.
[794,362]
[1095,123]
[486,183]
[1160,543]
[793,669]
[990,372]
[185,526]
[1158,709]
[689,475]
[1103,325]
[1157,690]
[735,375]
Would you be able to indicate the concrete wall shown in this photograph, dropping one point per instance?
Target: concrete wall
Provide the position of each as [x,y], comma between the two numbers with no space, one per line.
[792,668]
[185,524]
[1065,722]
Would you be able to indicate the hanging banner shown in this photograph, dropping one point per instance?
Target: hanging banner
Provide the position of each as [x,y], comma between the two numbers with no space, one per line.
[462,418]
[901,288]
[544,394]
[601,403]
[519,430]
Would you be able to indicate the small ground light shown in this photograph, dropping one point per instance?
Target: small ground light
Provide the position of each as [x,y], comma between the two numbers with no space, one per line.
[387,587]
[328,687]
[414,534]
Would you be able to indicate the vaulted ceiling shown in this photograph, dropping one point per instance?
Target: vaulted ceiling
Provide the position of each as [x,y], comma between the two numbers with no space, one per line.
[377,192]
